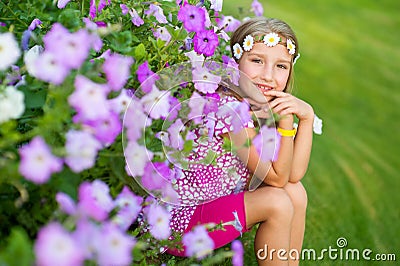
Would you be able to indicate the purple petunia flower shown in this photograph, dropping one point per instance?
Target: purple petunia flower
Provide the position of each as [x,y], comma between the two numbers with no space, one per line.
[146,77]
[156,103]
[117,69]
[89,99]
[237,248]
[205,42]
[175,106]
[129,206]
[237,113]
[120,103]
[136,19]
[198,243]
[137,157]
[74,48]
[216,5]
[37,161]
[211,105]
[233,71]
[195,59]
[158,219]
[87,235]
[93,9]
[62,3]
[196,105]
[135,120]
[95,200]
[95,41]
[229,23]
[157,12]
[55,246]
[71,49]
[193,18]
[49,68]
[174,132]
[106,129]
[66,203]
[155,175]
[204,81]
[81,149]
[36,22]
[26,36]
[124,9]
[267,143]
[162,34]
[257,8]
[114,247]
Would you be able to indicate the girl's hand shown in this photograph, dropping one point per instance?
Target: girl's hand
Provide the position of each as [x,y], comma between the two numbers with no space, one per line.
[286,104]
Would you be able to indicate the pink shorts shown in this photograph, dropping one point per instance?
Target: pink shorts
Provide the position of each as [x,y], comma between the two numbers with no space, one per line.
[217,211]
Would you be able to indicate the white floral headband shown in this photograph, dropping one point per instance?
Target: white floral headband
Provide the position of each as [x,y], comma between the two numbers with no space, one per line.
[270,40]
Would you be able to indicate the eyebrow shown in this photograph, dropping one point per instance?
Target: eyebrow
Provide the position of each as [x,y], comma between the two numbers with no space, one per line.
[262,55]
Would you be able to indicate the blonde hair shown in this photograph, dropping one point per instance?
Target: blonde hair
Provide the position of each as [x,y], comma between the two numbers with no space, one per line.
[261,26]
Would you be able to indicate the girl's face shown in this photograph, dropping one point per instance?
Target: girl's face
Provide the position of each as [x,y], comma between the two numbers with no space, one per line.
[267,67]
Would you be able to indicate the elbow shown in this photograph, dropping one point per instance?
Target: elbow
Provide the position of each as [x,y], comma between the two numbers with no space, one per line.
[278,181]
[297,176]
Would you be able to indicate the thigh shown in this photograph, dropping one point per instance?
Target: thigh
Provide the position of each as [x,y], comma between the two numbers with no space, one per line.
[265,202]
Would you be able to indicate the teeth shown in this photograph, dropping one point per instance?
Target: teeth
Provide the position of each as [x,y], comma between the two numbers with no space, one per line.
[264,87]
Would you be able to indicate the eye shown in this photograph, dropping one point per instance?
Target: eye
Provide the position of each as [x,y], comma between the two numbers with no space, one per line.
[282,66]
[257,61]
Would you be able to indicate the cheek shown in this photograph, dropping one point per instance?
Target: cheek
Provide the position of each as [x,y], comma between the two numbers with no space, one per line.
[282,81]
[247,69]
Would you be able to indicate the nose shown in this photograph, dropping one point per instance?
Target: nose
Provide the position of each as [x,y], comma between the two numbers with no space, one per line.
[267,73]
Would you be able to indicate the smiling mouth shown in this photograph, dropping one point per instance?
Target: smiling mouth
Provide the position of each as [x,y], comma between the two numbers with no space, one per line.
[263,88]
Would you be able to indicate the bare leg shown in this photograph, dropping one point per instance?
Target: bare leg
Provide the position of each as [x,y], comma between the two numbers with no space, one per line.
[298,196]
[273,209]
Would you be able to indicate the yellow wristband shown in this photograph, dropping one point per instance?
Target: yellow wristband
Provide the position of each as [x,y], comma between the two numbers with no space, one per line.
[286,132]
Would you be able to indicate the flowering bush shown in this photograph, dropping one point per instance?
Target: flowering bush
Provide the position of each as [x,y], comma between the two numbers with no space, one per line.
[78,80]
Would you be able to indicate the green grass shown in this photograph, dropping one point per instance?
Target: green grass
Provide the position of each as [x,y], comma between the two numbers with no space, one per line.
[349,71]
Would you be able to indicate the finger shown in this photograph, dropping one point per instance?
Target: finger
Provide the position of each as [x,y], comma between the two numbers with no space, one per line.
[282,106]
[275,93]
[283,100]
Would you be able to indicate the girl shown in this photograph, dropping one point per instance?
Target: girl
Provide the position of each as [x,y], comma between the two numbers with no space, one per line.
[265,50]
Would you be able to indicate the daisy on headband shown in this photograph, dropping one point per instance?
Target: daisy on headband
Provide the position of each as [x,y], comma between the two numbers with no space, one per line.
[237,51]
[248,43]
[290,46]
[271,39]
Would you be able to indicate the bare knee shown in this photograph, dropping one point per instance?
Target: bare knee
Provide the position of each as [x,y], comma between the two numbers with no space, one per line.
[269,204]
[298,196]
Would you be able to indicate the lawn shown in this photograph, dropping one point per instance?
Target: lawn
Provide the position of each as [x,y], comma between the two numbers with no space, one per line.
[349,71]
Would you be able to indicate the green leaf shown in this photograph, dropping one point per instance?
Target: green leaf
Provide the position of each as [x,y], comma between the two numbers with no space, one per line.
[140,52]
[18,251]
[121,41]
[68,18]
[34,99]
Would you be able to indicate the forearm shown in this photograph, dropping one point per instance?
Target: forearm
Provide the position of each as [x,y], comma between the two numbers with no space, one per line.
[302,149]
[281,168]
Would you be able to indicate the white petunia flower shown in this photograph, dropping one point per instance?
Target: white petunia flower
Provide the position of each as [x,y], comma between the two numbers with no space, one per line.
[237,51]
[290,46]
[271,39]
[248,43]
[11,104]
[30,58]
[317,126]
[9,50]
